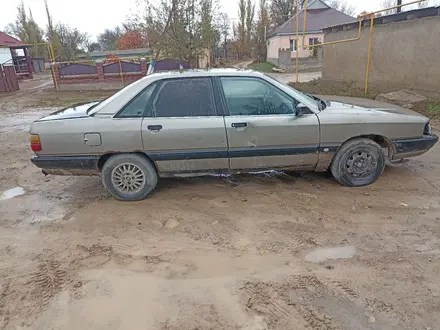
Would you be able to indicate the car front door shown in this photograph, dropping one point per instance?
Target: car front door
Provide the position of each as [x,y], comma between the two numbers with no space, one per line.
[182,131]
[263,129]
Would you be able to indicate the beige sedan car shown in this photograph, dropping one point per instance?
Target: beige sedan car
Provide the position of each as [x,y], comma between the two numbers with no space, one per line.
[222,121]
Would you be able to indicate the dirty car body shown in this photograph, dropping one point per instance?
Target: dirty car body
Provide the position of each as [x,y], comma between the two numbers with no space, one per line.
[222,121]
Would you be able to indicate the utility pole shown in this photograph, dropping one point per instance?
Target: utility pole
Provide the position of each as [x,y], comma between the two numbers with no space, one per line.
[399,9]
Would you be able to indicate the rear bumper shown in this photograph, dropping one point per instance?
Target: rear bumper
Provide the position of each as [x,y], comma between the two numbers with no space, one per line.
[67,165]
[413,147]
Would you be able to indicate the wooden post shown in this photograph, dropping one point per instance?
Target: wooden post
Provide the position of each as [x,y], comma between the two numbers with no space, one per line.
[28,62]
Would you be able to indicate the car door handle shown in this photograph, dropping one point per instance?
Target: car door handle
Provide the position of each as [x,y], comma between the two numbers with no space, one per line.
[238,125]
[154,127]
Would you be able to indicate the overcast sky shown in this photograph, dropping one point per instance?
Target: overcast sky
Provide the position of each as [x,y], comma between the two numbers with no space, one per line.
[93,16]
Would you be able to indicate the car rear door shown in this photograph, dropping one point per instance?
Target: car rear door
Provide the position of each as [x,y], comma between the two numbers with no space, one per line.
[182,131]
[262,127]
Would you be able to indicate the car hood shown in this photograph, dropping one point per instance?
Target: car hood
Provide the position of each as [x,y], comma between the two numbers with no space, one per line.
[74,111]
[336,103]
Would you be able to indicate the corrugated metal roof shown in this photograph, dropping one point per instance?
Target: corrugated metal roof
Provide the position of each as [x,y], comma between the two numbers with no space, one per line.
[316,20]
[7,40]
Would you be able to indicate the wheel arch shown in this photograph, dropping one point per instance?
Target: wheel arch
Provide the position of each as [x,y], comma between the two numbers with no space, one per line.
[104,158]
[381,140]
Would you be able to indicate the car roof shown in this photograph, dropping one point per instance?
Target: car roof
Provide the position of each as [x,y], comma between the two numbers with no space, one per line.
[206,73]
[115,102]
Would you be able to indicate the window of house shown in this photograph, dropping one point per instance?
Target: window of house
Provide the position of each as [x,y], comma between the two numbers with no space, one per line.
[293,45]
[252,96]
[313,41]
[137,106]
[185,98]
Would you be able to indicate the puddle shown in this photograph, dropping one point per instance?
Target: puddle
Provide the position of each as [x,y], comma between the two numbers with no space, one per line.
[22,121]
[11,193]
[323,254]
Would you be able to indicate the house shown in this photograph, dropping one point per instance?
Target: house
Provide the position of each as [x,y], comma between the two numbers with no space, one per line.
[318,16]
[7,45]
[15,52]
[101,55]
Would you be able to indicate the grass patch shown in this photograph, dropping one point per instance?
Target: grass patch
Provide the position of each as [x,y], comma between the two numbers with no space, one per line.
[433,109]
[49,99]
[262,67]
[318,86]
[310,70]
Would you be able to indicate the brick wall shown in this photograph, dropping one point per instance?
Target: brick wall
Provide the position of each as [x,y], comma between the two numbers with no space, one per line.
[72,77]
[405,52]
[288,61]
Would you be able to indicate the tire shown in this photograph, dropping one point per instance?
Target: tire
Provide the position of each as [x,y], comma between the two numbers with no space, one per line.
[129,177]
[359,162]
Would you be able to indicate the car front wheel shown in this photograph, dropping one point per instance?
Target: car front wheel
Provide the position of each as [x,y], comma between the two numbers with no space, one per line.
[129,177]
[358,162]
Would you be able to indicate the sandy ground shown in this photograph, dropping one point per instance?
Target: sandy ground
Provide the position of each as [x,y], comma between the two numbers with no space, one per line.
[269,251]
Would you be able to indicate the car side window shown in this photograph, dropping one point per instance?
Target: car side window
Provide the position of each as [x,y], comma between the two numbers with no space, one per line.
[185,98]
[137,106]
[253,96]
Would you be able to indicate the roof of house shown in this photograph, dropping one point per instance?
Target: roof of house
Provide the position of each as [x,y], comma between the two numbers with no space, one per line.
[316,19]
[117,52]
[7,40]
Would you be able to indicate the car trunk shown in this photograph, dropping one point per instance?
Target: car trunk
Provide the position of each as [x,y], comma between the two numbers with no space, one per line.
[74,111]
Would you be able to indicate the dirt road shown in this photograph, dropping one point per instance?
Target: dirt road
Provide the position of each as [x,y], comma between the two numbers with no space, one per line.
[269,251]
[286,78]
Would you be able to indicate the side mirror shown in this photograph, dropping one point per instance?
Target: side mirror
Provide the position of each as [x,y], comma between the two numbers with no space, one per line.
[302,109]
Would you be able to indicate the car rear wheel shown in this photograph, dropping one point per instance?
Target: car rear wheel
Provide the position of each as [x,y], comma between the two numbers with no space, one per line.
[358,162]
[129,177]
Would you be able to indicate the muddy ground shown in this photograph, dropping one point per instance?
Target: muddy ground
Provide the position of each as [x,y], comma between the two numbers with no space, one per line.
[269,251]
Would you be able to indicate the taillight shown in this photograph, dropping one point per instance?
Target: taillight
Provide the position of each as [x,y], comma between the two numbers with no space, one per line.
[34,139]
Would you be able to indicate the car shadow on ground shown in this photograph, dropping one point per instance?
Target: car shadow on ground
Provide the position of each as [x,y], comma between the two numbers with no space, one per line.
[92,188]
[269,178]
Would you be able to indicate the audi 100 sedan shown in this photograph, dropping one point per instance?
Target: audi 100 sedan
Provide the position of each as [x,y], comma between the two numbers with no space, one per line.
[222,121]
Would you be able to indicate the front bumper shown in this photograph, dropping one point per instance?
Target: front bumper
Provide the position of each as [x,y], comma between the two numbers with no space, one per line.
[413,147]
[67,165]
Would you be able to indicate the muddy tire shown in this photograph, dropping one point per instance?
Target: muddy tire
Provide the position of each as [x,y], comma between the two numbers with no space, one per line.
[358,163]
[129,177]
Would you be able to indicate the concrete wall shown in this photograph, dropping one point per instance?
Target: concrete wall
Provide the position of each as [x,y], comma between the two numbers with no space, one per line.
[405,54]
[286,61]
[283,42]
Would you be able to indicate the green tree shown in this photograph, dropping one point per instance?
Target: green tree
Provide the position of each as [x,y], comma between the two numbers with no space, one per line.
[241,27]
[28,31]
[73,42]
[282,10]
[109,38]
[223,26]
[181,29]
[262,25]
[52,36]
[250,13]
[67,42]
[93,47]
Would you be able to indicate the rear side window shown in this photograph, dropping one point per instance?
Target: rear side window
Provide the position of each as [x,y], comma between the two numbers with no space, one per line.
[185,98]
[137,106]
